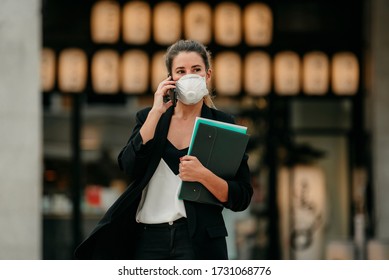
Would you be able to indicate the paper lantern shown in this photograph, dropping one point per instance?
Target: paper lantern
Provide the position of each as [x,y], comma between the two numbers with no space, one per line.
[72,70]
[228,27]
[135,72]
[48,66]
[316,73]
[258,24]
[287,73]
[302,204]
[158,69]
[345,73]
[167,22]
[136,22]
[105,22]
[257,73]
[197,22]
[105,72]
[228,73]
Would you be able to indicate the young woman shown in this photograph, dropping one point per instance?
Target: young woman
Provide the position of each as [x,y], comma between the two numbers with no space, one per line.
[148,221]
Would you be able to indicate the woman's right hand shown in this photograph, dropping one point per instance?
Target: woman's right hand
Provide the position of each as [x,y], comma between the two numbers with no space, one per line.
[163,90]
[159,107]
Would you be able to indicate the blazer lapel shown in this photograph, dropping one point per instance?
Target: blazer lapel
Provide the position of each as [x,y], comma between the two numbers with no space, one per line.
[163,129]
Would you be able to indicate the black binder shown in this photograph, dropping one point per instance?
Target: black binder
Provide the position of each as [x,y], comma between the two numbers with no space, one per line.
[220,150]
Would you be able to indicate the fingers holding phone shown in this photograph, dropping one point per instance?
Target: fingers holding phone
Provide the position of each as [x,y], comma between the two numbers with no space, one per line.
[171,96]
[164,97]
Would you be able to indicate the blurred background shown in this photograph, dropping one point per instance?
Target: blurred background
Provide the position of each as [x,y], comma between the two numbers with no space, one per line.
[307,77]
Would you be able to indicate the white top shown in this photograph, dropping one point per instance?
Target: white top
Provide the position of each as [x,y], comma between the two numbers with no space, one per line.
[159,202]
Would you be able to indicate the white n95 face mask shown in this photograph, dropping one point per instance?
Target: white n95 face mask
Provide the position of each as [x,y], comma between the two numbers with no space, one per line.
[191,88]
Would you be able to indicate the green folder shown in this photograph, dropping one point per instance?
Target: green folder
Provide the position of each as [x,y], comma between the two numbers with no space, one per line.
[229,126]
[220,147]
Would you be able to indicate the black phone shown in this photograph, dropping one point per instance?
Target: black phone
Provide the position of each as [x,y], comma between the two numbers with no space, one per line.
[172,95]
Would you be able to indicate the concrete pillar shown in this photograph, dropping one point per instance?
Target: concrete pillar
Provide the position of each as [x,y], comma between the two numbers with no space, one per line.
[20,130]
[379,113]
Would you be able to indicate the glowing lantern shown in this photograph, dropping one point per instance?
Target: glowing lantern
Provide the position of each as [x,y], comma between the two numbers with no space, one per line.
[228,74]
[105,72]
[72,70]
[197,22]
[287,73]
[48,65]
[316,73]
[136,22]
[135,71]
[167,22]
[228,27]
[158,69]
[105,22]
[345,73]
[258,24]
[257,73]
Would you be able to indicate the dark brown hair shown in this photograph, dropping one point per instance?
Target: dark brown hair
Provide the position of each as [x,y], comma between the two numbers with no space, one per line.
[187,46]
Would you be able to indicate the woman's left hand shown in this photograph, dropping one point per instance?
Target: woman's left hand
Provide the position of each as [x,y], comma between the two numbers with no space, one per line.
[191,169]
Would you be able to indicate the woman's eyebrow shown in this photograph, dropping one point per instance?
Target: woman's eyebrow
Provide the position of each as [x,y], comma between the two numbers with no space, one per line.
[182,67]
[179,67]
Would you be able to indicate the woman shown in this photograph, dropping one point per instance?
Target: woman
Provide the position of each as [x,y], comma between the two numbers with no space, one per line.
[148,221]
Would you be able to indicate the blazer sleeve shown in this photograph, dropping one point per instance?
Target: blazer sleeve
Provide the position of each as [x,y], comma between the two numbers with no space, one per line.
[240,190]
[135,155]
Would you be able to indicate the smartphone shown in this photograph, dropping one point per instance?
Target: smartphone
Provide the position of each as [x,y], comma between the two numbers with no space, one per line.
[172,95]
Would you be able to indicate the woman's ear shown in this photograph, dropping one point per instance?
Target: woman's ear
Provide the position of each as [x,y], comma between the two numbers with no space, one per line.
[209,74]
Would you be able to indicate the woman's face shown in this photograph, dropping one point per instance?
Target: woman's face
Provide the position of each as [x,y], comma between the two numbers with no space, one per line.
[189,63]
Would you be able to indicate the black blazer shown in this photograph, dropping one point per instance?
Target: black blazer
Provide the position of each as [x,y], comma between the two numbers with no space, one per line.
[114,236]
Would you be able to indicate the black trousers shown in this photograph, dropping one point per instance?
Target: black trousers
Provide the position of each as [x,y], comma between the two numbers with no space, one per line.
[164,241]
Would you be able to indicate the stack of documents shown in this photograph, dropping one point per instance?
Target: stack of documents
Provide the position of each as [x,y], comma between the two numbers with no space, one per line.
[220,147]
